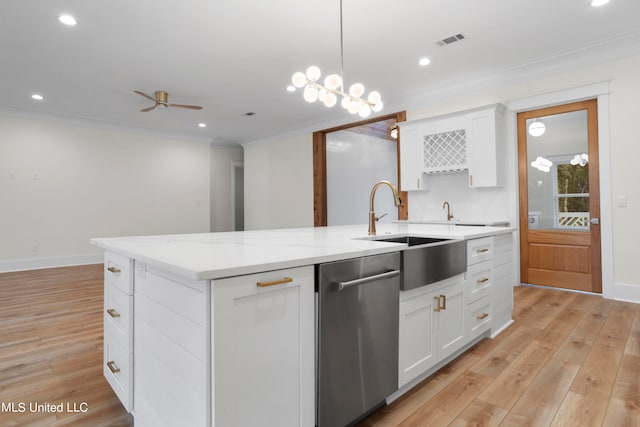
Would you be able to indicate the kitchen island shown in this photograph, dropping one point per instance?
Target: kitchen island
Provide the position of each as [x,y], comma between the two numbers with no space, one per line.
[218,328]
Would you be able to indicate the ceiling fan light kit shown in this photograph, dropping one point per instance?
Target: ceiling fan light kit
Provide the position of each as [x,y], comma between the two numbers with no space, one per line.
[161,100]
[333,88]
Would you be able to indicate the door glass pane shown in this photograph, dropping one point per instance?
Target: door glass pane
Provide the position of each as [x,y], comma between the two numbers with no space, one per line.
[558,171]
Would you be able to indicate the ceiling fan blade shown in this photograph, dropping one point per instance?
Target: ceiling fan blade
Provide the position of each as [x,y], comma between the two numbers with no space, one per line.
[145,95]
[144,110]
[191,107]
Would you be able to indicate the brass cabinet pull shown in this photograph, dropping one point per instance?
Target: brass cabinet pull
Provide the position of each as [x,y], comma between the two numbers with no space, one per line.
[482,316]
[113,313]
[438,308]
[114,270]
[112,367]
[480,251]
[484,279]
[444,301]
[274,282]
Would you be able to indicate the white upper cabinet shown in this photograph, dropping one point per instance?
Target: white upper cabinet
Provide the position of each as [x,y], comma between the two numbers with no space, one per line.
[486,148]
[464,142]
[411,165]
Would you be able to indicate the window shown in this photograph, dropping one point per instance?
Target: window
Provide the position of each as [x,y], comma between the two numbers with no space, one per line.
[571,191]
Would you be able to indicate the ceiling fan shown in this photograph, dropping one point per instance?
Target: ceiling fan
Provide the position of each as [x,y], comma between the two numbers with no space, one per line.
[162,100]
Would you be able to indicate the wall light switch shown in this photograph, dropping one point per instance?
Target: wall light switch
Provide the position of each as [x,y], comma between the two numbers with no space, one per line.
[12,175]
[622,201]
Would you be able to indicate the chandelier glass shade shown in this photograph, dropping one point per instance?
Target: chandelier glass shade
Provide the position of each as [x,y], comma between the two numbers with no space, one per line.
[332,88]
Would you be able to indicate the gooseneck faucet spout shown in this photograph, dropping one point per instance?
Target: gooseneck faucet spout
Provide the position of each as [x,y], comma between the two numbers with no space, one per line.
[372,214]
[449,214]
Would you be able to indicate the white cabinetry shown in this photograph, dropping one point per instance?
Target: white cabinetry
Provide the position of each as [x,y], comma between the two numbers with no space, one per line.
[172,349]
[439,320]
[118,326]
[411,165]
[486,148]
[263,339]
[479,286]
[468,141]
[431,326]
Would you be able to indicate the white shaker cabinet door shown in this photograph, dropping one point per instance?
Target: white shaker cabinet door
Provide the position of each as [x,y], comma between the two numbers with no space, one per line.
[451,320]
[417,343]
[411,159]
[263,347]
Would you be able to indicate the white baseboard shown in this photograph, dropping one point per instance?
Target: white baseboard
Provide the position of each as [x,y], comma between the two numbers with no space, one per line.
[50,262]
[622,292]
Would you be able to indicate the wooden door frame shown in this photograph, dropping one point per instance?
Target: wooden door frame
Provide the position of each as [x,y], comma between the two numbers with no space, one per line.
[591,106]
[320,168]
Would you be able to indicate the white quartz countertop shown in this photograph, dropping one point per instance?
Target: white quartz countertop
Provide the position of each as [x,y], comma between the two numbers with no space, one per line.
[217,255]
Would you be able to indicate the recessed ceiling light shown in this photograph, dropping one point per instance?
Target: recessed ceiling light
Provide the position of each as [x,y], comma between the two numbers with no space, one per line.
[202,125]
[424,61]
[597,3]
[291,88]
[37,97]
[67,20]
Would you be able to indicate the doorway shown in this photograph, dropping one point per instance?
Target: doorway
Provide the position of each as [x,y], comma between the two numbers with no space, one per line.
[320,193]
[559,197]
[237,195]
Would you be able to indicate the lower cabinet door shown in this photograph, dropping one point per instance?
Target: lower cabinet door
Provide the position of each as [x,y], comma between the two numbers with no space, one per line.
[416,339]
[451,320]
[432,327]
[263,349]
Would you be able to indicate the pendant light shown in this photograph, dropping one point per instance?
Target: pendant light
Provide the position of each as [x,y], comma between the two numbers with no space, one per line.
[333,88]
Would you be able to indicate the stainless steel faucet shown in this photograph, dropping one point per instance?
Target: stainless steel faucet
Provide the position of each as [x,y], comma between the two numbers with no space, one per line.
[449,214]
[372,214]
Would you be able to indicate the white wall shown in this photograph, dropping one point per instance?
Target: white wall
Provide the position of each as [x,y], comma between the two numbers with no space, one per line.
[62,184]
[492,203]
[222,164]
[348,188]
[279,183]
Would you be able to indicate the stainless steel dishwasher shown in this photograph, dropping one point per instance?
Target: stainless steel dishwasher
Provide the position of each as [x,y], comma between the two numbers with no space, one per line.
[357,365]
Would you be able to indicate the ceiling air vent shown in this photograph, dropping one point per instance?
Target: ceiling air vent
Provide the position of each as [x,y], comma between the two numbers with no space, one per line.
[451,39]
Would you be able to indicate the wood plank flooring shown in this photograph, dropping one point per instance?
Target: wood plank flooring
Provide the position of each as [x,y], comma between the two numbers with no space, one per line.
[51,349]
[569,360]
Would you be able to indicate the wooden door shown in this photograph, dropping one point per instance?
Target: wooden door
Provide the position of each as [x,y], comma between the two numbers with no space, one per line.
[560,197]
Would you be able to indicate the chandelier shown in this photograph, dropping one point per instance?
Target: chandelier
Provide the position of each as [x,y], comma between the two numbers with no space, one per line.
[333,88]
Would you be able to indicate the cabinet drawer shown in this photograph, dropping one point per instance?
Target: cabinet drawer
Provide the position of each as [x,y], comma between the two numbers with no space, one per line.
[117,369]
[479,250]
[479,317]
[118,319]
[253,284]
[118,270]
[480,278]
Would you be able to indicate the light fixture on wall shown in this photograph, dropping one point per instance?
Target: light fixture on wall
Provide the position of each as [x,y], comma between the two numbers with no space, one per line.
[537,128]
[333,88]
[394,131]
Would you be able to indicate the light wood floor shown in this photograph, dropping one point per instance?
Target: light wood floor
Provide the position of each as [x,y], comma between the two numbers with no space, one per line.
[569,360]
[51,349]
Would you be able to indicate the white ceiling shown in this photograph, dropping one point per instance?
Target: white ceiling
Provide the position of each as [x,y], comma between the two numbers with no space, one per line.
[238,56]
